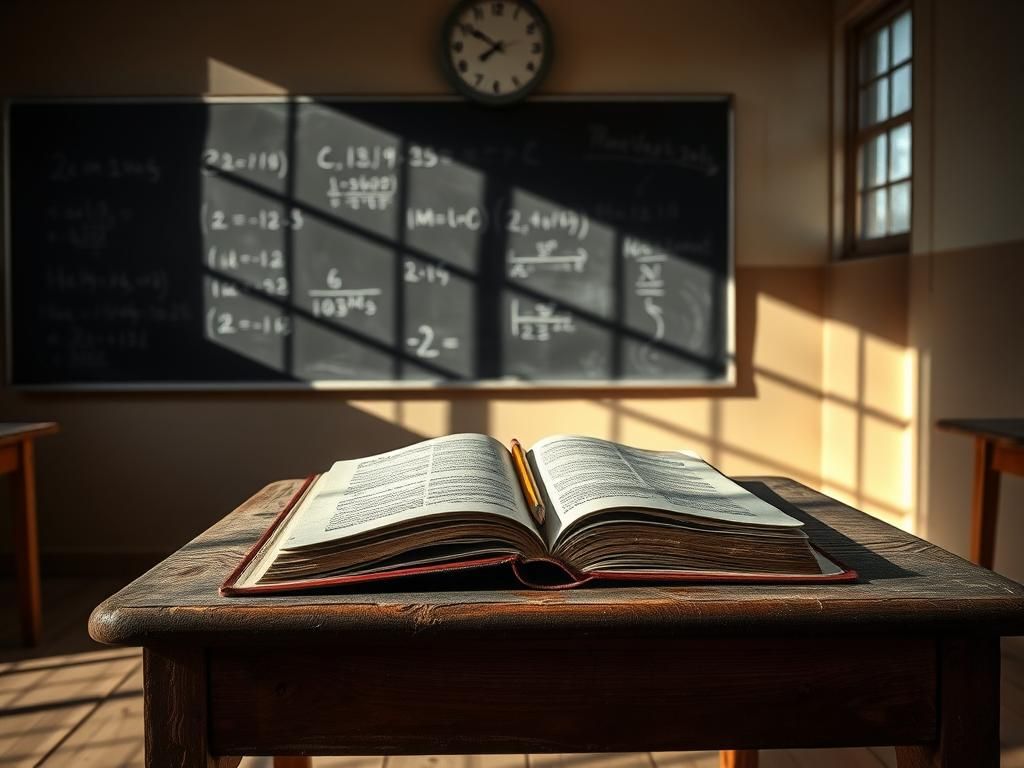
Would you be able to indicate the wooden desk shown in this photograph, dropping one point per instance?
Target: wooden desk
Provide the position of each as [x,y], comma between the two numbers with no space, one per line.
[909,656]
[17,455]
[998,447]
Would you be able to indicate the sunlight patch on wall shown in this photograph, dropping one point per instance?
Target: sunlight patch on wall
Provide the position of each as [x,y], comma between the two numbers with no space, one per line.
[885,378]
[867,429]
[530,420]
[221,77]
[776,433]
[839,434]
[841,375]
[795,349]
[426,418]
[665,424]
[884,473]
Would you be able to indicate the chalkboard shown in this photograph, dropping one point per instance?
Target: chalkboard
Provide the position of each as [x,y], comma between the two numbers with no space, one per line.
[348,243]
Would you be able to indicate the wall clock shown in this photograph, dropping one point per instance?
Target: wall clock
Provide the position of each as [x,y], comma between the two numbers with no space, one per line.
[496,52]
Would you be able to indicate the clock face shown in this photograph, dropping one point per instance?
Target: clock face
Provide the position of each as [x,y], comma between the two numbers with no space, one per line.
[496,52]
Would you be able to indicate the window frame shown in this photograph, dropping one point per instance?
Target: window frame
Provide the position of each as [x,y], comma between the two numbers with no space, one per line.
[855,246]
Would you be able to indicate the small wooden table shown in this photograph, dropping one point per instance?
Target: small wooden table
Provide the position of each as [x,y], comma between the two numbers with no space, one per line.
[998,447]
[17,455]
[908,656]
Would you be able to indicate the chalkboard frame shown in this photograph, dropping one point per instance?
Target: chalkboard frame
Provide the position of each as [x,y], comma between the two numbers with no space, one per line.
[393,388]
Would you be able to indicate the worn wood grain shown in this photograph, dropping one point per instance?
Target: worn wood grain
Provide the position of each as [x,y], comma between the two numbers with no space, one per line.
[28,736]
[175,699]
[457,670]
[111,736]
[29,686]
[43,700]
[70,598]
[968,733]
[457,695]
[906,584]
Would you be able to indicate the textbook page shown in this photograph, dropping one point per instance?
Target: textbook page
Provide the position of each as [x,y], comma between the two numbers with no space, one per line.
[453,474]
[582,475]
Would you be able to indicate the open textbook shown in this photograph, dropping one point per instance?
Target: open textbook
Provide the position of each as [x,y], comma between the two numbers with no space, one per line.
[593,509]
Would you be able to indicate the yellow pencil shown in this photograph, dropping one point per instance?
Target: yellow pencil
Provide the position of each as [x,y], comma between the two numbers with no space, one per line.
[528,483]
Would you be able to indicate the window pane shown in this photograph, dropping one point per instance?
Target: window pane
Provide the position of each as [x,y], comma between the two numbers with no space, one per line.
[874,103]
[901,39]
[899,208]
[899,152]
[901,90]
[873,162]
[874,54]
[874,213]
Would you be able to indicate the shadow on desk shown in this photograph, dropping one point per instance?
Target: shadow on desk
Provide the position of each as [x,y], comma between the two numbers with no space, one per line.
[869,565]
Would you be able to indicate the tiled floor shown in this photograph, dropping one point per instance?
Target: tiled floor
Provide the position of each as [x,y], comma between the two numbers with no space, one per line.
[73,704]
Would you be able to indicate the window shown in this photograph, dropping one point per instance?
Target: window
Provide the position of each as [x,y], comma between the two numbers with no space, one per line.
[879,131]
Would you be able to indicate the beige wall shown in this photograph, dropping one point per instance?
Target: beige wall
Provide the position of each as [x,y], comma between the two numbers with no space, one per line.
[145,472]
[946,323]
[967,272]
[868,457]
[869,409]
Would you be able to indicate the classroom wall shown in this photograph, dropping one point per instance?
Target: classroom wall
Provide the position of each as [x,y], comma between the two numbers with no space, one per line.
[142,473]
[938,332]
[967,268]
[869,409]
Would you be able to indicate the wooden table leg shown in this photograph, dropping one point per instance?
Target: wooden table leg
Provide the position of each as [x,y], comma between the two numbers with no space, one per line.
[968,709]
[175,699]
[737,758]
[26,544]
[984,505]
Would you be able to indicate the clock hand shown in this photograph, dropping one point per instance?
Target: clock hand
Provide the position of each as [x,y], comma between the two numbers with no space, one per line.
[498,46]
[477,33]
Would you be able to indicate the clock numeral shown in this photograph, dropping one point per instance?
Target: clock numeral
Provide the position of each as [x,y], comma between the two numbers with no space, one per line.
[478,78]
[457,46]
[531,27]
[515,81]
[478,12]
[463,65]
[515,12]
[531,66]
[497,9]
[497,87]
[535,48]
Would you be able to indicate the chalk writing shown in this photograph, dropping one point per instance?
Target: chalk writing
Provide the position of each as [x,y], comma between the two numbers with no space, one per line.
[539,323]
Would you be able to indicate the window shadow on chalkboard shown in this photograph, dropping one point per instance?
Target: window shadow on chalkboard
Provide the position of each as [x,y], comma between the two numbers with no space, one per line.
[337,247]
[303,267]
[588,300]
